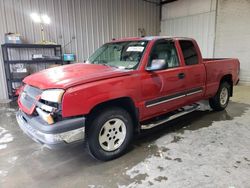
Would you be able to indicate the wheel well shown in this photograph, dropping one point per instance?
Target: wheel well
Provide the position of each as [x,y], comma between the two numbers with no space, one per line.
[228,78]
[125,103]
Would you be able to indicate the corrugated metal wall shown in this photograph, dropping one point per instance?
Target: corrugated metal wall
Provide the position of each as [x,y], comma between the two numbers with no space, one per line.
[84,24]
[193,18]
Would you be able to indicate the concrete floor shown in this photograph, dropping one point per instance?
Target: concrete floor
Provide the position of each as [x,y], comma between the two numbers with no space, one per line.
[202,149]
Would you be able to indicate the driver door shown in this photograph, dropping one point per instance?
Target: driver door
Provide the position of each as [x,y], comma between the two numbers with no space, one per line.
[166,86]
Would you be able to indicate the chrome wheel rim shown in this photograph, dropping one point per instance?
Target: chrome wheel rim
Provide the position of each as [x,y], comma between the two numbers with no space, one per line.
[223,96]
[112,134]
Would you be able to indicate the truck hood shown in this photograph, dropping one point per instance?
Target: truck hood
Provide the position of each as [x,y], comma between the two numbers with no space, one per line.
[70,75]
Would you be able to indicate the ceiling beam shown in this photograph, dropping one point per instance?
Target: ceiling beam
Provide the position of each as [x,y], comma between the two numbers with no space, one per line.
[163,2]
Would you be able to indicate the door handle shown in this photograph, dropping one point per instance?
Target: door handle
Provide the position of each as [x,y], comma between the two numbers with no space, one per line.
[181,75]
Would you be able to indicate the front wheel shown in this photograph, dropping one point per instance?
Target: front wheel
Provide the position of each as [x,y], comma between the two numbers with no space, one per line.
[220,100]
[110,133]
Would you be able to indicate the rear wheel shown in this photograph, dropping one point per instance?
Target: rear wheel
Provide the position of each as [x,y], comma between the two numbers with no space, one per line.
[220,100]
[109,134]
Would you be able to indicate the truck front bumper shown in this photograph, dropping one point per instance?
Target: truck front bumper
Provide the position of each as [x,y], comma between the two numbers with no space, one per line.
[57,135]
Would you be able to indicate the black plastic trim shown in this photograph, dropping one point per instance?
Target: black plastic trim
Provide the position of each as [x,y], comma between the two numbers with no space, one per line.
[168,98]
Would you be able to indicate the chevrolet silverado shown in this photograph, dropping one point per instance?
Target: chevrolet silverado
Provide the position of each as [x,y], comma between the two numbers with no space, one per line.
[127,85]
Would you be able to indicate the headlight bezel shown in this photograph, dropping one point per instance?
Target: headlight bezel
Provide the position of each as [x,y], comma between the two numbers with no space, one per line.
[53,95]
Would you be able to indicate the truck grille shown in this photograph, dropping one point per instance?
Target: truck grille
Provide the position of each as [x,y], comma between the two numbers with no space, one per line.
[29,97]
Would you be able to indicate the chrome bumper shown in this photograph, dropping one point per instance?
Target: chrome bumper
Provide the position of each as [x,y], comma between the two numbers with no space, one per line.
[52,136]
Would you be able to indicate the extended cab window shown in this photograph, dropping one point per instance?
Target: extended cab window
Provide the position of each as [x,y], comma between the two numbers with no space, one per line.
[189,52]
[164,50]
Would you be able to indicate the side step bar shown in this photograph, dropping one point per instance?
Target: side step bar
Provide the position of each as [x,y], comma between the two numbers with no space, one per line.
[180,112]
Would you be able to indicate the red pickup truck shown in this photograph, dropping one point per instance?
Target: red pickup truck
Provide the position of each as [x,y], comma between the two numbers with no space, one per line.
[126,86]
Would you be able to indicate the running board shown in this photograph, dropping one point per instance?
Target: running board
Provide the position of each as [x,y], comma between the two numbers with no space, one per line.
[178,113]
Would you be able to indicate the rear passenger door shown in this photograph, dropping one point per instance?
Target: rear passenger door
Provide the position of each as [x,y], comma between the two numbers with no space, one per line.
[195,73]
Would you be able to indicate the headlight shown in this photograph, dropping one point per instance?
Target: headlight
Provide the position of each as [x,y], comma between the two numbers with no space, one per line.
[52,95]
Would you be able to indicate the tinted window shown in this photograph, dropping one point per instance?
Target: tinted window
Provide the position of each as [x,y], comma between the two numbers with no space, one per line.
[165,50]
[189,52]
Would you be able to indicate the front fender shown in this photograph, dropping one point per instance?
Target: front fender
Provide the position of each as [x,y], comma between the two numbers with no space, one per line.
[80,100]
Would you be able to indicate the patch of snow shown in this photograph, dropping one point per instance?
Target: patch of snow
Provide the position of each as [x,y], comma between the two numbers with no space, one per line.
[7,109]
[2,131]
[11,109]
[214,156]
[12,160]
[3,146]
[3,173]
[5,138]
[8,114]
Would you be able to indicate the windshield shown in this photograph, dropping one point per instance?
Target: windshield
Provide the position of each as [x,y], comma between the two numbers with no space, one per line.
[122,55]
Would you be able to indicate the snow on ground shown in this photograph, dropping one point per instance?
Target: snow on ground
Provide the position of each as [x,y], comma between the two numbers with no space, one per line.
[214,156]
[5,138]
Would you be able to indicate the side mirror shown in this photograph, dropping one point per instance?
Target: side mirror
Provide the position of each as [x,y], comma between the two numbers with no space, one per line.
[157,64]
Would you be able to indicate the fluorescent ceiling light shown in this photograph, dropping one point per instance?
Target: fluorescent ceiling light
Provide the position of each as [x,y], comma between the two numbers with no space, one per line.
[35,17]
[45,19]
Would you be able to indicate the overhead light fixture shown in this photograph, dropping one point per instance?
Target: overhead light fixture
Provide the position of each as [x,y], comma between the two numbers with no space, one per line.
[45,19]
[35,17]
[42,19]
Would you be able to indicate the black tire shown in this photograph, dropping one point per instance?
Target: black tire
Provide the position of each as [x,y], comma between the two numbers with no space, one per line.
[95,126]
[216,103]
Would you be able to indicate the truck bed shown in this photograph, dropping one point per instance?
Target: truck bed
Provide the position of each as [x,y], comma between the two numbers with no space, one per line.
[216,68]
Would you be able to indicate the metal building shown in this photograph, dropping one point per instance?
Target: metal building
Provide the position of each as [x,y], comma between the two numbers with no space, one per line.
[80,26]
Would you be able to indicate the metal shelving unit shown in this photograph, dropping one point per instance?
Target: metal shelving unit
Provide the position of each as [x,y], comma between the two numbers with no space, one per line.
[57,51]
